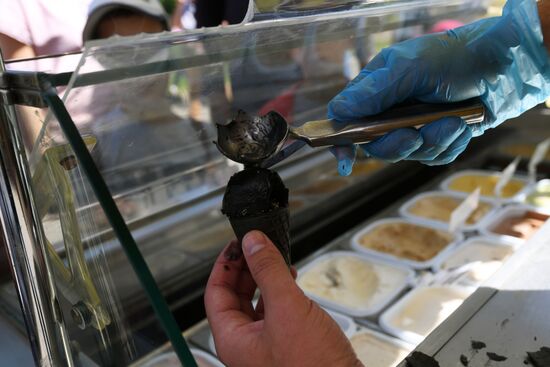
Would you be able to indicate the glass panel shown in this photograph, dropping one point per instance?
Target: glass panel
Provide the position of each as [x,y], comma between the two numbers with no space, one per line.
[48,64]
[147,108]
[273,9]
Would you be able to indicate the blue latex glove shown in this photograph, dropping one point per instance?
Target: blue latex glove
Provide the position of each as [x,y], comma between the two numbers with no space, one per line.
[502,60]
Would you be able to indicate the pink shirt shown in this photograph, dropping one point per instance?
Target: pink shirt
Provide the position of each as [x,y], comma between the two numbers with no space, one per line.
[48,26]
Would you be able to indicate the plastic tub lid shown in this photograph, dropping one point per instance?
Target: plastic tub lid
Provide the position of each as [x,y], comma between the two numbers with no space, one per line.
[170,359]
[346,323]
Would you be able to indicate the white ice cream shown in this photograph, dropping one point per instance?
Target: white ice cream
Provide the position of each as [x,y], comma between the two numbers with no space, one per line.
[488,259]
[351,282]
[374,351]
[426,309]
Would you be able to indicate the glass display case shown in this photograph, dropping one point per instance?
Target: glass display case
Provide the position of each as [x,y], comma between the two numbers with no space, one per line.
[111,186]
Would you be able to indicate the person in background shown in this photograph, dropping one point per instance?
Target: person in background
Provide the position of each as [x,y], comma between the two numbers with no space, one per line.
[184,15]
[504,60]
[33,28]
[212,13]
[107,18]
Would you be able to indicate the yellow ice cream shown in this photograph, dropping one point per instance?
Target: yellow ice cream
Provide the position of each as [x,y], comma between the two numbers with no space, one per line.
[373,351]
[541,196]
[440,207]
[350,281]
[468,183]
[406,240]
[426,309]
[490,258]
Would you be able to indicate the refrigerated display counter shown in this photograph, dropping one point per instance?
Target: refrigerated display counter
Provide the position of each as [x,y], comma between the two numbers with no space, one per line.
[111,186]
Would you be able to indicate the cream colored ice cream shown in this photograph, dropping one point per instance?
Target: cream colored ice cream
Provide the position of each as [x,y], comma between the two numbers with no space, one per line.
[440,207]
[351,282]
[374,351]
[468,183]
[541,196]
[406,240]
[488,259]
[426,309]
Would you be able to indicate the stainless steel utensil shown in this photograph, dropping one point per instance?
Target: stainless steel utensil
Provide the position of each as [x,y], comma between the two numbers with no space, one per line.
[263,141]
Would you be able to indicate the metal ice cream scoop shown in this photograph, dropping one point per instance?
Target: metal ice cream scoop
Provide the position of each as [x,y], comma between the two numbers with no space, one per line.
[264,140]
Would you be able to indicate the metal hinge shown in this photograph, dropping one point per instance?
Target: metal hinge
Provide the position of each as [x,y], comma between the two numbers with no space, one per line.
[23,88]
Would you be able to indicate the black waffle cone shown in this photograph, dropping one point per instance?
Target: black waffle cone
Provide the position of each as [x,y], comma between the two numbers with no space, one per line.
[274,224]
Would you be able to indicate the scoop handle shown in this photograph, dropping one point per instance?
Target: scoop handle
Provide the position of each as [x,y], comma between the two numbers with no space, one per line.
[330,132]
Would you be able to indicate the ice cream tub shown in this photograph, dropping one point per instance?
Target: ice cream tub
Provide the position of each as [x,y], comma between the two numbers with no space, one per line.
[375,349]
[405,242]
[476,259]
[539,195]
[468,180]
[346,323]
[419,312]
[435,208]
[170,359]
[515,224]
[353,284]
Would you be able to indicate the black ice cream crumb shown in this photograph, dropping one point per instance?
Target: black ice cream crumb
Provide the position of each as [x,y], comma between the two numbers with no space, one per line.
[477,345]
[419,359]
[541,358]
[254,191]
[464,360]
[495,357]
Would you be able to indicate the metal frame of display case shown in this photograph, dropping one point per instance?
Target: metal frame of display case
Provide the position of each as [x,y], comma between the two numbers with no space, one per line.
[41,92]
[21,227]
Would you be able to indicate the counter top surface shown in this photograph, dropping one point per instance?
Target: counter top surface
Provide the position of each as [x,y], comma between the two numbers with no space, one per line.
[509,314]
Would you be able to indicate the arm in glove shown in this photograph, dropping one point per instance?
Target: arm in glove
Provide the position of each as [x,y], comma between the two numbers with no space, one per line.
[502,60]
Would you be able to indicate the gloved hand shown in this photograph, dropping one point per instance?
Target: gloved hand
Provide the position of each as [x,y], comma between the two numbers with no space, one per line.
[502,60]
[285,329]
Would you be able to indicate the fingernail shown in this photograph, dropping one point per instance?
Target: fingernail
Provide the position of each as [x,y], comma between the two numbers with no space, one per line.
[253,242]
[233,251]
[345,166]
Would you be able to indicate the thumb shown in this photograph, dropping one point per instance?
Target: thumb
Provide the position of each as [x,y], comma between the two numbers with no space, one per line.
[267,266]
